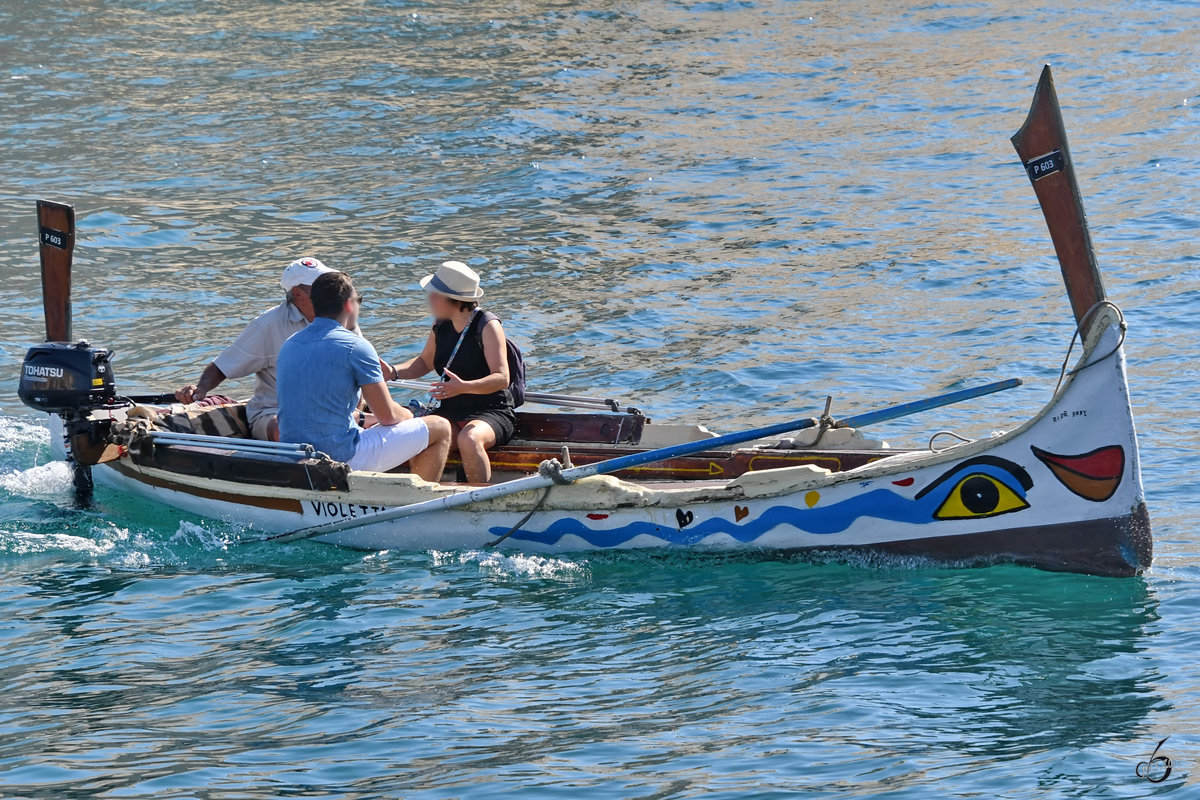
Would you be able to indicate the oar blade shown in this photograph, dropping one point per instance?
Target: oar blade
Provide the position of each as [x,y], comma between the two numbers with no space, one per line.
[56,238]
[1042,145]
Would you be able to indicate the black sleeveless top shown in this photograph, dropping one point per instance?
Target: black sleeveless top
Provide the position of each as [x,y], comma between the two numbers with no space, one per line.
[470,364]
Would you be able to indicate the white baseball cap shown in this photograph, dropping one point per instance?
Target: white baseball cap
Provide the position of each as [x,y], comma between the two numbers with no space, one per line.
[302,272]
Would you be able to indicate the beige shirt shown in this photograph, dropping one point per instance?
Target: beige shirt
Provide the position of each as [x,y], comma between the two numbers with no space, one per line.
[255,351]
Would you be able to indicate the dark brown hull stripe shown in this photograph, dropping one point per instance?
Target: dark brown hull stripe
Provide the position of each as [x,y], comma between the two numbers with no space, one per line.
[273,503]
[1114,547]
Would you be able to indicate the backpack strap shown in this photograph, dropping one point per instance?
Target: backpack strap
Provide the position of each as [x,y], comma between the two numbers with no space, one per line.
[483,318]
[516,363]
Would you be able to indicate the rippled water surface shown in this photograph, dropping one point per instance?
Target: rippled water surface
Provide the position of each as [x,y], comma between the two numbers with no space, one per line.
[721,210]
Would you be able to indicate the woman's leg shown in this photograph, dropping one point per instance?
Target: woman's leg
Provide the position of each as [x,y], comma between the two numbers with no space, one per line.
[474,441]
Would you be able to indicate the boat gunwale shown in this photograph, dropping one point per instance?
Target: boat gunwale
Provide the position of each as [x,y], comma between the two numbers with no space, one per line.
[650,493]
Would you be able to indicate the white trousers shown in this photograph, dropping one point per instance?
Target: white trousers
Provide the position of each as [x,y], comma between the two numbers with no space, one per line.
[386,446]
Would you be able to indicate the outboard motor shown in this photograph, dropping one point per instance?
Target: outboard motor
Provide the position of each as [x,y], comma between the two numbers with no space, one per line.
[61,377]
[72,380]
[66,379]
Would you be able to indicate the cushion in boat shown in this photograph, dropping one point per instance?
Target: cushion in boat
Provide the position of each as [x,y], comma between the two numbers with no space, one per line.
[221,420]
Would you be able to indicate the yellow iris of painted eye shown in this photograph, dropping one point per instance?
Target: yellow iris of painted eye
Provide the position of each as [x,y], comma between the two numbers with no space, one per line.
[977,496]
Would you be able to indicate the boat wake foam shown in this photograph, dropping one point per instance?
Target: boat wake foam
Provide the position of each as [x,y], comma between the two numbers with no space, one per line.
[17,434]
[110,545]
[23,543]
[48,481]
[516,565]
[191,534]
[114,547]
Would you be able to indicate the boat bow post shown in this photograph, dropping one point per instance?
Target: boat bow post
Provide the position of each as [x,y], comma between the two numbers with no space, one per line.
[1041,143]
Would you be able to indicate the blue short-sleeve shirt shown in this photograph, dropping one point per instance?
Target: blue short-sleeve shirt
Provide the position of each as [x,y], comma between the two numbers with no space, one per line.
[318,376]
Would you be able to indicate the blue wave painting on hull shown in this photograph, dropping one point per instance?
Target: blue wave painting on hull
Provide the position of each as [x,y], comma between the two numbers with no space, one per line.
[834,518]
[837,517]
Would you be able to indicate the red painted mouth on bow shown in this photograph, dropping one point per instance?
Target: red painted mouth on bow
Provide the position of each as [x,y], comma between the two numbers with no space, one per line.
[1094,475]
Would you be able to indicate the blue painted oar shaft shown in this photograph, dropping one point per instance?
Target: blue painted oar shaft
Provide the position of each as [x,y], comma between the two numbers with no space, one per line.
[928,404]
[741,437]
[619,463]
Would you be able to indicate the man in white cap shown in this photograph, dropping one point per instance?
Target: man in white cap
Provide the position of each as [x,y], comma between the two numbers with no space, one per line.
[255,351]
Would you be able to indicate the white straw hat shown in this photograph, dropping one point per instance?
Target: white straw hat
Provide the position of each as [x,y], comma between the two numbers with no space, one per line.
[302,272]
[455,280]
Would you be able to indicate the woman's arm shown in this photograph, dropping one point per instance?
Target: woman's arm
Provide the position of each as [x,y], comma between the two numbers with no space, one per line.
[416,367]
[496,353]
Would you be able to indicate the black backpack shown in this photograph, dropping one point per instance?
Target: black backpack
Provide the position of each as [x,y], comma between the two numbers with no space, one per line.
[516,361]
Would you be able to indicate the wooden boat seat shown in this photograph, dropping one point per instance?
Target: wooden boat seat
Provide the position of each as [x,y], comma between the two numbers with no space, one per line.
[257,469]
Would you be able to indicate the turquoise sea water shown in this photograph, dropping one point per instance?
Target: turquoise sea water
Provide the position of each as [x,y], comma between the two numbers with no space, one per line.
[723,211]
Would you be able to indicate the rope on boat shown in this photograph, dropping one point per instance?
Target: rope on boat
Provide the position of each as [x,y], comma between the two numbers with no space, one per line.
[1083,323]
[536,508]
[1064,372]
[550,468]
[952,434]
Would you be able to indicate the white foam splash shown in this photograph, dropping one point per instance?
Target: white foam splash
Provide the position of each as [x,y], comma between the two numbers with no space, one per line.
[17,432]
[134,559]
[193,535]
[48,480]
[105,542]
[517,565]
[28,543]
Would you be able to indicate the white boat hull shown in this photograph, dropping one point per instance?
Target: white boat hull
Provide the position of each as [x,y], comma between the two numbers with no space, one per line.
[1062,491]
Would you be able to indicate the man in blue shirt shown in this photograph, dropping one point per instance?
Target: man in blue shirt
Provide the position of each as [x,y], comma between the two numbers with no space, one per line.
[319,373]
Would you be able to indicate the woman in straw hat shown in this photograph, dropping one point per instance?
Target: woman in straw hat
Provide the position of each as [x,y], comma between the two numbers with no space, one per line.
[466,348]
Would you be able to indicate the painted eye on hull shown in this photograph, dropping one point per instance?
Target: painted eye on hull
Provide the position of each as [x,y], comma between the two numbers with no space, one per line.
[983,486]
[978,495]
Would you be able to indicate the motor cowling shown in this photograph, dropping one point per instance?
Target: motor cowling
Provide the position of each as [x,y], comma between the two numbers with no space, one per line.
[62,378]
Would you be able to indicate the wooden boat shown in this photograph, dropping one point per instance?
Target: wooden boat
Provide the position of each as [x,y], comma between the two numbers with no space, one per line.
[1061,492]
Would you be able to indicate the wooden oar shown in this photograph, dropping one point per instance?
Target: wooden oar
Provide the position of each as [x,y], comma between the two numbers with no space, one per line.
[1042,145]
[56,238]
[540,481]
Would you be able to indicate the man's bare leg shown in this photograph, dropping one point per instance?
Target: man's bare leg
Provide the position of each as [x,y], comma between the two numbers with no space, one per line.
[430,463]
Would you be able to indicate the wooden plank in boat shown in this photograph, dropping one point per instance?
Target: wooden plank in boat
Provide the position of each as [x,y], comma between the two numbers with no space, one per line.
[713,465]
[580,428]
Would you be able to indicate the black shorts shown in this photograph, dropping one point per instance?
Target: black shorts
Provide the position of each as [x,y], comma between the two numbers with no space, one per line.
[503,421]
